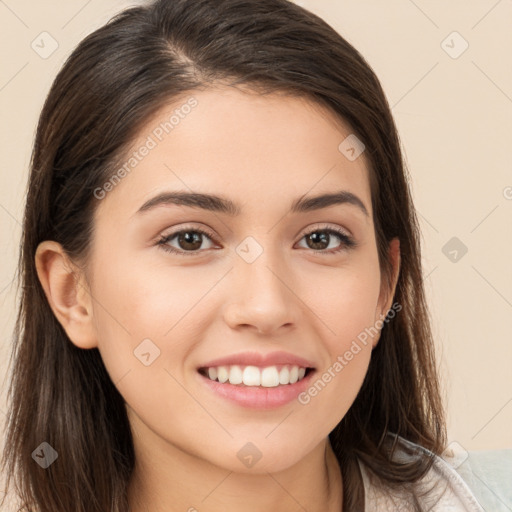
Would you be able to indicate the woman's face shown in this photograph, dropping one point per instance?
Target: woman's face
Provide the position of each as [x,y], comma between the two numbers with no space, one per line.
[267,279]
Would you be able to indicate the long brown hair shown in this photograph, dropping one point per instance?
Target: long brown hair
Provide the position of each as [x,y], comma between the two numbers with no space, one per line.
[112,83]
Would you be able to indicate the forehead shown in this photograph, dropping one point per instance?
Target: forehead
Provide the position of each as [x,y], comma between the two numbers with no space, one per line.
[259,150]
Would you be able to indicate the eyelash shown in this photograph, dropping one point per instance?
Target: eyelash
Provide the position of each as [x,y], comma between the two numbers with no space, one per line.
[347,241]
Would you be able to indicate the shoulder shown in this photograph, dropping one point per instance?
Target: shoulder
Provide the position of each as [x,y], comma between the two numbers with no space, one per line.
[447,491]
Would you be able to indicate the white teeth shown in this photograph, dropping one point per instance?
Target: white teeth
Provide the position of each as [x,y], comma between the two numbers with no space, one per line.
[235,375]
[267,377]
[222,374]
[284,375]
[252,376]
[270,377]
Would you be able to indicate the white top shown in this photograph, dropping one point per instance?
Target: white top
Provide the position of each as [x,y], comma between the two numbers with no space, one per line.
[450,493]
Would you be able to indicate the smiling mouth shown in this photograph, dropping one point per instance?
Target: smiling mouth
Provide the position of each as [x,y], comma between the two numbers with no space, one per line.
[254,376]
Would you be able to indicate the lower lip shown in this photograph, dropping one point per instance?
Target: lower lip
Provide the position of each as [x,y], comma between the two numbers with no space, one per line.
[254,397]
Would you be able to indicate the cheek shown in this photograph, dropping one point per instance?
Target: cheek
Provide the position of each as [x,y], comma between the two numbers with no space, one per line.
[346,301]
[141,323]
[142,309]
[142,300]
[346,305]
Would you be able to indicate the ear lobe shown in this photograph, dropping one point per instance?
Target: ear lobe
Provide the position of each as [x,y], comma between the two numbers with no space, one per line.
[66,292]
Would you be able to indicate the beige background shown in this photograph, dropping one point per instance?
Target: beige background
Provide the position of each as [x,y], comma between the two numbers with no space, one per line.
[455,120]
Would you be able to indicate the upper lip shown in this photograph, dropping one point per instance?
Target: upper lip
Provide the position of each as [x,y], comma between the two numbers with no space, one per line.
[260,360]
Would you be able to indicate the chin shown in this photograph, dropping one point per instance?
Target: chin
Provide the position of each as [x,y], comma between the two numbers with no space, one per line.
[260,458]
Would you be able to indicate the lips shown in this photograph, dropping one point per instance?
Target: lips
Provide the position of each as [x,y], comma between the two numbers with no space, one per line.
[257,397]
[255,380]
[279,358]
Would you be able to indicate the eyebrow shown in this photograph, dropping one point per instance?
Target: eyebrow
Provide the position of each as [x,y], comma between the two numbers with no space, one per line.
[220,204]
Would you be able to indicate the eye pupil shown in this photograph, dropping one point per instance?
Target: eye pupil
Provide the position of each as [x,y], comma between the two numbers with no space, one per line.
[185,238]
[318,237]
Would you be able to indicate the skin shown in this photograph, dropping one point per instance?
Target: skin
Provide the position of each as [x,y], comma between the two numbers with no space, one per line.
[263,153]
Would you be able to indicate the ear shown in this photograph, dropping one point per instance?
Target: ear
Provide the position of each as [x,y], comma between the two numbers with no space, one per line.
[388,287]
[66,292]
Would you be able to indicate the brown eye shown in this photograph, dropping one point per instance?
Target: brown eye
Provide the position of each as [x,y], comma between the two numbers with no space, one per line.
[320,240]
[189,241]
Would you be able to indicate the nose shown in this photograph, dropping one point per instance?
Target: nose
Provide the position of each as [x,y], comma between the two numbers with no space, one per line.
[262,296]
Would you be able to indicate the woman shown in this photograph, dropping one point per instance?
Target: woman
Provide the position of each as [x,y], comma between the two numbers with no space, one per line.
[222,302]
